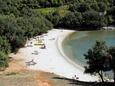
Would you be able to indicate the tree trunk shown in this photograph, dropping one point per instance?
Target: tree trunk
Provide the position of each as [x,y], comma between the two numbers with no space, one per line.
[101,76]
[114,76]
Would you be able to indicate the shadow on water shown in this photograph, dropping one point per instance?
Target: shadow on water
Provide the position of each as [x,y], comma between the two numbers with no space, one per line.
[83,83]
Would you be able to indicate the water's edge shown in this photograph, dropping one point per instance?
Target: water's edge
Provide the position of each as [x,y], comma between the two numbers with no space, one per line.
[60,41]
[69,55]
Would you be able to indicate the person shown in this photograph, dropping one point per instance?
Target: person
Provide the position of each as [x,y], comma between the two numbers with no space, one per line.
[44,46]
[76,77]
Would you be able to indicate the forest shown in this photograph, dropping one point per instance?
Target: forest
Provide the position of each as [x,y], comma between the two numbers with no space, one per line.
[84,14]
[22,19]
[18,22]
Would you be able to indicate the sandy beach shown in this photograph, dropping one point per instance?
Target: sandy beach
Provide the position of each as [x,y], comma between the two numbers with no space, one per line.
[52,58]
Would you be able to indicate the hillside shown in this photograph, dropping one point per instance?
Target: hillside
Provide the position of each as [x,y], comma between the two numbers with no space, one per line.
[21,20]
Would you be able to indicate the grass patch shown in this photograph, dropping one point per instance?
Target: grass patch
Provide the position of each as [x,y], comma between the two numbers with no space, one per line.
[46,11]
[63,10]
[20,79]
[11,73]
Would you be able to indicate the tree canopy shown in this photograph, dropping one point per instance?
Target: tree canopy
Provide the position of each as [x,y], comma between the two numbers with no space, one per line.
[19,21]
[94,14]
[100,58]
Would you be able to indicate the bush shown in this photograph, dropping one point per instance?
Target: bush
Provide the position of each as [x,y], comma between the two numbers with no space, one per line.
[3,60]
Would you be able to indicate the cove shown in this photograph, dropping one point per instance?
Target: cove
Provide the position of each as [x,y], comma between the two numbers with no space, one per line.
[78,43]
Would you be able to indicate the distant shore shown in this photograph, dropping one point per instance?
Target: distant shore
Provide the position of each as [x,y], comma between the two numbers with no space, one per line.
[109,28]
[52,58]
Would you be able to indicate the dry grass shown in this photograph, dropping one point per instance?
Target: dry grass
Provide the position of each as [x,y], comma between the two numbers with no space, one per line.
[17,74]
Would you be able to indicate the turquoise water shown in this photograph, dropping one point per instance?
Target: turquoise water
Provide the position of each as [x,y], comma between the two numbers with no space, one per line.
[78,43]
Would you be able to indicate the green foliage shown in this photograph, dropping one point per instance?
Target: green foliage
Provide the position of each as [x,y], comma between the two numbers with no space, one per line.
[19,21]
[111,12]
[102,6]
[3,60]
[4,45]
[26,22]
[94,6]
[95,13]
[52,3]
[10,29]
[54,17]
[86,19]
[103,12]
[95,59]
[62,10]
[80,7]
[46,11]
[93,19]
[100,58]
[73,19]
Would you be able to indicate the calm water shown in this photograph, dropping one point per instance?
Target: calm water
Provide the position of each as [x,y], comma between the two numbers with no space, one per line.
[78,43]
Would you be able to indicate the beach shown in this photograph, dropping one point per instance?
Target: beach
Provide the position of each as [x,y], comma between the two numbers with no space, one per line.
[52,58]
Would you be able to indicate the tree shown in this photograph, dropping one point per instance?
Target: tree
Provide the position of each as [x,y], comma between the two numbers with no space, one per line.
[4,45]
[102,6]
[93,19]
[72,20]
[31,3]
[96,57]
[54,18]
[112,13]
[80,7]
[94,6]
[83,7]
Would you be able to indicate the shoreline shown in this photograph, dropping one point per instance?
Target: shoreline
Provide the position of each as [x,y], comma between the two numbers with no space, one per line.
[52,59]
[60,48]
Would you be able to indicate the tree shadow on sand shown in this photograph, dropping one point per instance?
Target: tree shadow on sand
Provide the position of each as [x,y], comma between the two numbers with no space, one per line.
[83,83]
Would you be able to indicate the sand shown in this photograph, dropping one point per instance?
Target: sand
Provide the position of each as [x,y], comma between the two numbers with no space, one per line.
[52,59]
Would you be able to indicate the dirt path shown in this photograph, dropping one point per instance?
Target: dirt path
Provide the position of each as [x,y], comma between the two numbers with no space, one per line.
[43,79]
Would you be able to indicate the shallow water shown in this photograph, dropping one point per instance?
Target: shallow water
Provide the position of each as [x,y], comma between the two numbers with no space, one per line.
[78,43]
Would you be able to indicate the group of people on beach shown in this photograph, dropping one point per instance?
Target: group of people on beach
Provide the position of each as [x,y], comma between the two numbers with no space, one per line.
[39,41]
[75,77]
